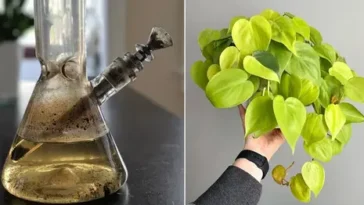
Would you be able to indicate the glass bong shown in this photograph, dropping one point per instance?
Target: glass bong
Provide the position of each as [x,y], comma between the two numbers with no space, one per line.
[63,151]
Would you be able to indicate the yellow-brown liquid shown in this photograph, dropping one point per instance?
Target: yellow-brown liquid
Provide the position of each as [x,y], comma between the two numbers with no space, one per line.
[63,172]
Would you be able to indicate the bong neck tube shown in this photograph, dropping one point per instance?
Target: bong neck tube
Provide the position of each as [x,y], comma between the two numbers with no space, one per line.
[59,28]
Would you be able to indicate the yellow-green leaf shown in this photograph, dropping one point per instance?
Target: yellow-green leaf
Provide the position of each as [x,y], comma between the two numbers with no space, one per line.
[301,27]
[354,89]
[313,174]
[291,117]
[199,73]
[212,70]
[270,14]
[335,119]
[283,32]
[207,36]
[326,51]
[233,21]
[341,72]
[254,67]
[315,129]
[337,147]
[345,134]
[260,117]
[290,86]
[229,88]
[229,58]
[300,189]
[253,35]
[309,92]
[305,63]
[352,114]
[315,36]
[321,150]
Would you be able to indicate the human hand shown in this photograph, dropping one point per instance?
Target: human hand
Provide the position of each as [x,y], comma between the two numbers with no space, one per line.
[266,145]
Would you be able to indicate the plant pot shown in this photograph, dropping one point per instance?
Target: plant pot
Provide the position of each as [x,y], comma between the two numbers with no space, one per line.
[10,56]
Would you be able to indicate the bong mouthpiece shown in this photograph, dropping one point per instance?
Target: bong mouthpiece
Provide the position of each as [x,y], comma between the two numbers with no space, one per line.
[158,39]
[123,70]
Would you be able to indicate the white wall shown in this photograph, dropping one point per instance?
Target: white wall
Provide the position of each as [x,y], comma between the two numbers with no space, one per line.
[130,22]
[214,137]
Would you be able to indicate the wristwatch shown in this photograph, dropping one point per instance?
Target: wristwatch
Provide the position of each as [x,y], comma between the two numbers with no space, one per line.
[259,160]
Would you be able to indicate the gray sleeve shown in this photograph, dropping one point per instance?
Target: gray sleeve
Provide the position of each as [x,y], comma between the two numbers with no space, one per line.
[234,187]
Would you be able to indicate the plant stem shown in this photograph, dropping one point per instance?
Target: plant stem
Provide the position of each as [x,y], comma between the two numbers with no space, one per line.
[290,166]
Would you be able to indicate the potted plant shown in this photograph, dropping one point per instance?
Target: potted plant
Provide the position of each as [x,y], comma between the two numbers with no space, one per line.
[282,67]
[13,23]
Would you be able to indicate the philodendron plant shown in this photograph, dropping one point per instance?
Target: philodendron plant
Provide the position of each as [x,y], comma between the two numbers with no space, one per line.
[282,67]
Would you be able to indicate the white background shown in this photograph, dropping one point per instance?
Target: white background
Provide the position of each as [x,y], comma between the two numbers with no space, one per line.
[214,137]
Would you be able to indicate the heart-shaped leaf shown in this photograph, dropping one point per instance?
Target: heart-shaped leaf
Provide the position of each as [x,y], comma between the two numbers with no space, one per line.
[345,134]
[270,14]
[290,86]
[260,117]
[253,35]
[199,73]
[341,72]
[254,67]
[315,129]
[335,119]
[229,88]
[301,27]
[321,150]
[234,20]
[283,31]
[207,36]
[291,117]
[352,114]
[212,70]
[337,147]
[313,174]
[281,53]
[229,58]
[315,36]
[326,51]
[309,92]
[300,189]
[354,89]
[305,63]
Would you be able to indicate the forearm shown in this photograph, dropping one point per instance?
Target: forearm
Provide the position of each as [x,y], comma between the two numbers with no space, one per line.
[238,185]
[250,168]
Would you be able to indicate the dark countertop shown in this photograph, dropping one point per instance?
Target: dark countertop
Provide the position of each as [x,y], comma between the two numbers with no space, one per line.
[150,140]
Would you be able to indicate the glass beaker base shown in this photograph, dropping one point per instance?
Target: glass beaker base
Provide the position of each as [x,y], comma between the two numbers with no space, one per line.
[63,183]
[64,172]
